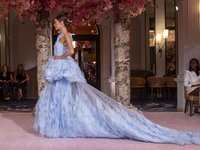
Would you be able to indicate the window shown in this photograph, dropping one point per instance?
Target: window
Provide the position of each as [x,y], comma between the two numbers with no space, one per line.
[150,39]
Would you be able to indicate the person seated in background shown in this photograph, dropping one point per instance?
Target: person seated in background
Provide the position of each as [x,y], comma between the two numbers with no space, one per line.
[192,78]
[20,79]
[89,75]
[5,81]
[94,78]
[93,81]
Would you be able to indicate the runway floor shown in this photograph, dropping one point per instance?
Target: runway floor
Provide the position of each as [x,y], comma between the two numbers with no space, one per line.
[17,133]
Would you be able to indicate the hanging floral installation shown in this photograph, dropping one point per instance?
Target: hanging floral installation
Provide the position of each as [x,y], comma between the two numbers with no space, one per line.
[80,12]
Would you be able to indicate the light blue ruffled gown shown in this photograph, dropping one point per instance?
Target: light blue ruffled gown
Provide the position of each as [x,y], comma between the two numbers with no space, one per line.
[69,107]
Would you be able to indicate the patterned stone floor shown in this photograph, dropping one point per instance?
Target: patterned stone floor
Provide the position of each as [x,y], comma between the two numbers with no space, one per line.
[145,105]
[157,105]
[26,105]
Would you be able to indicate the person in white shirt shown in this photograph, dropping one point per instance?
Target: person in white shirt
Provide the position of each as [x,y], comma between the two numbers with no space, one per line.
[192,78]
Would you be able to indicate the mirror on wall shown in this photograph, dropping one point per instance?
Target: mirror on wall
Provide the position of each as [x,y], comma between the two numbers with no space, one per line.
[170,48]
[150,39]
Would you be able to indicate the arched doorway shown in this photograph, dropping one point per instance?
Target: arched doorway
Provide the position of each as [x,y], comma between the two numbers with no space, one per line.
[86,41]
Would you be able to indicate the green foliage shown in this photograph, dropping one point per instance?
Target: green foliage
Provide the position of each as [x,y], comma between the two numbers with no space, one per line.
[88,57]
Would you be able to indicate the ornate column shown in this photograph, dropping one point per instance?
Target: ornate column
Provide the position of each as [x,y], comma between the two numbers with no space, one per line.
[43,46]
[122,56]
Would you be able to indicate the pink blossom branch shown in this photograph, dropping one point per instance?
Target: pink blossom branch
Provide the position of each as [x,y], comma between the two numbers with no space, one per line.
[80,12]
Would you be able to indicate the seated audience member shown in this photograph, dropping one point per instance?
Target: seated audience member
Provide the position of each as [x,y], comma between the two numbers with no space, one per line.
[89,75]
[192,78]
[93,81]
[5,81]
[94,78]
[21,78]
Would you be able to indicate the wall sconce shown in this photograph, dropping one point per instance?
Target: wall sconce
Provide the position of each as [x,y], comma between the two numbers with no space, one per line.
[158,40]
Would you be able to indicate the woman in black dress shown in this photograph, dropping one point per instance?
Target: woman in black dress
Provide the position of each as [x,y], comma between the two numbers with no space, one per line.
[21,78]
[5,81]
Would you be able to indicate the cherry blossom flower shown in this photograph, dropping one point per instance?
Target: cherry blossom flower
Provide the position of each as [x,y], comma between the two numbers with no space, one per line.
[79,12]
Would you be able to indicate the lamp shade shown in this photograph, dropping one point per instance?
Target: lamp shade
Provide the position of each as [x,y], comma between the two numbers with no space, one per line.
[158,37]
[165,33]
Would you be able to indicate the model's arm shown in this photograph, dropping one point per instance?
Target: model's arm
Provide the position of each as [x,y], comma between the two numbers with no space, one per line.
[70,47]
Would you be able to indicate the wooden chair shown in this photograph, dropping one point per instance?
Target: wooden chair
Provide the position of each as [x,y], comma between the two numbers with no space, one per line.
[156,83]
[143,74]
[190,102]
[138,83]
[169,83]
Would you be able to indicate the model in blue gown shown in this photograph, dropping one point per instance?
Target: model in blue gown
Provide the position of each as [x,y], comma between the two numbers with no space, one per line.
[69,107]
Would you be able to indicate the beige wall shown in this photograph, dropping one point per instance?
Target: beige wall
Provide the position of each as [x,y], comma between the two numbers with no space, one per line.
[22,42]
[105,41]
[3,41]
[137,43]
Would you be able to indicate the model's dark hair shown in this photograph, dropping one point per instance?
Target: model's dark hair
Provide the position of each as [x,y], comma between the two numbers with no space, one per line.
[64,19]
[197,68]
